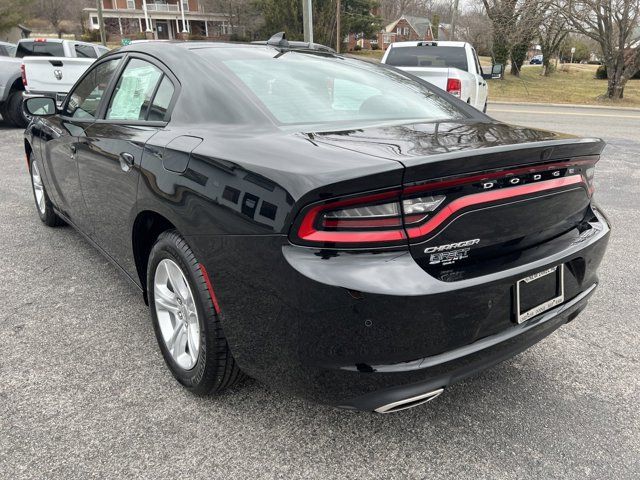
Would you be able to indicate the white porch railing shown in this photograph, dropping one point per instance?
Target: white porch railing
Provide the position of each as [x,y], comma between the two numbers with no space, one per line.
[163,7]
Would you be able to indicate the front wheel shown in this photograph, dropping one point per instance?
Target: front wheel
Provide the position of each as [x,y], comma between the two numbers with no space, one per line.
[43,204]
[185,320]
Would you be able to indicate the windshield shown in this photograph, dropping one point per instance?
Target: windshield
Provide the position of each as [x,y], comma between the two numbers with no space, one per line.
[428,56]
[299,88]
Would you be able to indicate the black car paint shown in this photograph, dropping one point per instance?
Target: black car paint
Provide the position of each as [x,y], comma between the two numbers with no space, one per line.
[318,322]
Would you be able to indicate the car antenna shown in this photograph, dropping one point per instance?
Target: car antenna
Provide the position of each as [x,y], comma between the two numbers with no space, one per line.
[279,40]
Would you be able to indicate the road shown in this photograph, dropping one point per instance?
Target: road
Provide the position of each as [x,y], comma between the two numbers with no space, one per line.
[84,392]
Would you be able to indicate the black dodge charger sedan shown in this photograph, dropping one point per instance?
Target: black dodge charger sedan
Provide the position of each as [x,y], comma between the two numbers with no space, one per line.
[337,229]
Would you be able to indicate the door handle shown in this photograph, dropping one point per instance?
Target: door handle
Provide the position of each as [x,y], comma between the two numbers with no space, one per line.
[126,161]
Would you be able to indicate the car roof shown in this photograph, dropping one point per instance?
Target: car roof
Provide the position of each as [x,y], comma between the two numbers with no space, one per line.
[428,42]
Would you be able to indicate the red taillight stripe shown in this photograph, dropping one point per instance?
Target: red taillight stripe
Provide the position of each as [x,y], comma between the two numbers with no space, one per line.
[489,176]
[23,74]
[214,299]
[489,196]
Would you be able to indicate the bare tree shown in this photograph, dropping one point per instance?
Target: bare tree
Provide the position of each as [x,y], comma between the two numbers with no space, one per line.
[614,25]
[515,24]
[475,27]
[12,12]
[54,11]
[553,30]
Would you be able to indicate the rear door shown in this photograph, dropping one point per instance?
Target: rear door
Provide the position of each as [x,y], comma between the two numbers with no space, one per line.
[109,161]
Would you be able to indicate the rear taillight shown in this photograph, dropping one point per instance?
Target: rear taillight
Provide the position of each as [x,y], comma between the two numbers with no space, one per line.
[23,72]
[454,87]
[372,220]
[358,221]
[419,210]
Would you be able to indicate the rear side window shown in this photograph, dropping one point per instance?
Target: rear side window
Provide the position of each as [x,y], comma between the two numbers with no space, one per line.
[428,56]
[85,51]
[41,48]
[161,101]
[134,91]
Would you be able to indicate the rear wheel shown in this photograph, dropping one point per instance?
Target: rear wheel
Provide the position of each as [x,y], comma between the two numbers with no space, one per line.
[14,112]
[186,324]
[43,204]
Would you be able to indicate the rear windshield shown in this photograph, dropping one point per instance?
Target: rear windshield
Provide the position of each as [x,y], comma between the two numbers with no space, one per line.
[428,56]
[40,48]
[299,88]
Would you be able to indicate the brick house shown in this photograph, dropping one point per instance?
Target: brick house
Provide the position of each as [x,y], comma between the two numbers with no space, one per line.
[405,28]
[159,19]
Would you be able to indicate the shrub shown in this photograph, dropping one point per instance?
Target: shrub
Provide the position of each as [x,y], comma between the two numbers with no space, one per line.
[374,46]
[357,48]
[601,73]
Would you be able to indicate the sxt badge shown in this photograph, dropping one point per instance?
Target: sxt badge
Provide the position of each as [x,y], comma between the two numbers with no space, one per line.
[451,252]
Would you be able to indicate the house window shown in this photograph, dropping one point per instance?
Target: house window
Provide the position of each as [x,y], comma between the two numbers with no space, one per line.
[131,4]
[399,31]
[406,31]
[185,5]
[94,22]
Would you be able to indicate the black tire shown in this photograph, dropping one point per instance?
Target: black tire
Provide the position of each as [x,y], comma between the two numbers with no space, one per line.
[15,112]
[48,216]
[215,368]
[3,112]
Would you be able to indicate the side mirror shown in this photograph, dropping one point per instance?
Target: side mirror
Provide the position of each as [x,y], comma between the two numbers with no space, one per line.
[40,106]
[496,72]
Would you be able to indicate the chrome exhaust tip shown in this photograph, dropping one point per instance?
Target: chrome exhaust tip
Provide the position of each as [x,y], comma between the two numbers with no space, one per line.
[410,402]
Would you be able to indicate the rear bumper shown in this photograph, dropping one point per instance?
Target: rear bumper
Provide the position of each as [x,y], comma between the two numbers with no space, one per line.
[439,371]
[362,330]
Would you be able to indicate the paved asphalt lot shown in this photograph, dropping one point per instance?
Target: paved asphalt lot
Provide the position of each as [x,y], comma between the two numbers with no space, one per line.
[84,392]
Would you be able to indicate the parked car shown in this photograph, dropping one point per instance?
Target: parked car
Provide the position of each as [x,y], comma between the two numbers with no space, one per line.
[11,89]
[7,49]
[52,66]
[536,60]
[450,66]
[336,228]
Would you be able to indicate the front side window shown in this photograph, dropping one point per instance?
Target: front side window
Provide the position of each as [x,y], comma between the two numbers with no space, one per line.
[84,101]
[299,88]
[85,51]
[134,91]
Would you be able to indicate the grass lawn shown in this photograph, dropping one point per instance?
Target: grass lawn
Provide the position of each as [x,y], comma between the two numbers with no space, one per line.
[375,55]
[573,85]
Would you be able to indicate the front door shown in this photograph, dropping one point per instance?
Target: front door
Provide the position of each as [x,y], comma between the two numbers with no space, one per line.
[162,29]
[63,135]
[109,162]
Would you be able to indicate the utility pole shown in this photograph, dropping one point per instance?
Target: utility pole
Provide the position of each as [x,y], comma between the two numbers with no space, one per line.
[307,20]
[338,26]
[103,37]
[454,14]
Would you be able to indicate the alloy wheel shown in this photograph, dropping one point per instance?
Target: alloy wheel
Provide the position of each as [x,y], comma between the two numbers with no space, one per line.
[38,188]
[177,314]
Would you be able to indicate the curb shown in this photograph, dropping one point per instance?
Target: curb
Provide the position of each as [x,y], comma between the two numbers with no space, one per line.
[568,105]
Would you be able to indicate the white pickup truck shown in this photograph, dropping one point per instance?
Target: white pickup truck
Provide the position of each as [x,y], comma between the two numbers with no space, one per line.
[450,66]
[52,66]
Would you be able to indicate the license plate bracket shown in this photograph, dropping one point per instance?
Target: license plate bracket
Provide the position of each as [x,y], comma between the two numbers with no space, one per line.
[539,292]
